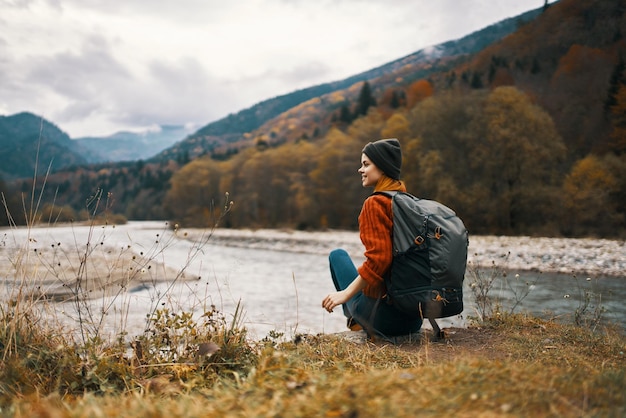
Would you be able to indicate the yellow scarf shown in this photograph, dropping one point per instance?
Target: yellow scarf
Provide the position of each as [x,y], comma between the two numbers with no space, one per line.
[387,183]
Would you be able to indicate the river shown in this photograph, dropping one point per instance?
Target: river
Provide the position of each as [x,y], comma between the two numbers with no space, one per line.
[278,282]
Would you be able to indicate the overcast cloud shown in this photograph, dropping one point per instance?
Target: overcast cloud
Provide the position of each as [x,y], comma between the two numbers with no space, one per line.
[94,67]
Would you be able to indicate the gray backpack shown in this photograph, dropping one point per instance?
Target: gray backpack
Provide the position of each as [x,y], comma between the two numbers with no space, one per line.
[430,257]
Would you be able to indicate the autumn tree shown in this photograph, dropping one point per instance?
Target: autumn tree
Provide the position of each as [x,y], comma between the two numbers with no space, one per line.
[501,77]
[194,197]
[616,165]
[493,157]
[51,214]
[253,179]
[397,126]
[617,141]
[587,201]
[517,156]
[577,97]
[301,204]
[365,130]
[290,199]
[335,179]
[393,98]
[418,91]
[438,159]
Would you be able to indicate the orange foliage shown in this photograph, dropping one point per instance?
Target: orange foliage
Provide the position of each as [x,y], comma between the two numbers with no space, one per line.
[502,77]
[618,134]
[587,196]
[588,177]
[397,126]
[579,58]
[388,97]
[418,91]
[337,97]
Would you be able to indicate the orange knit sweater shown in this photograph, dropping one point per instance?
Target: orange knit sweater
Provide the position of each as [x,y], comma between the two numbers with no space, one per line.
[376,227]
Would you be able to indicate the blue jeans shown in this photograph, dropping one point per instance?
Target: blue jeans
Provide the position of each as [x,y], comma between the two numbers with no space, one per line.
[376,316]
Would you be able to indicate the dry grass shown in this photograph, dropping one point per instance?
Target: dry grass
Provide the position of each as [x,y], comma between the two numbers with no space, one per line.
[514,366]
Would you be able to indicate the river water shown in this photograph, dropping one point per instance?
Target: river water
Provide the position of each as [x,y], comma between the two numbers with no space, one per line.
[279,289]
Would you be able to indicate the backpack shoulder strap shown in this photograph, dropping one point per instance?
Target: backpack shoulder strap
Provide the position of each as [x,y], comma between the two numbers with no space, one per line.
[389,193]
[392,193]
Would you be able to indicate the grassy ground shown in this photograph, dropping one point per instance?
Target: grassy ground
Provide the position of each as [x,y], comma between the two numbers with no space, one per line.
[514,365]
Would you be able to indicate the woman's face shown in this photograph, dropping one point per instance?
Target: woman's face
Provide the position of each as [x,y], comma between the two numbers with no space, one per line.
[370,174]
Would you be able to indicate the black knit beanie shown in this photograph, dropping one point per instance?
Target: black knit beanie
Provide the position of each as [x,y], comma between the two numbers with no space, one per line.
[386,155]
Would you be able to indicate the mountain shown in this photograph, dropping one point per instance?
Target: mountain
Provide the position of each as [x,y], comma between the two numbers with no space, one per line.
[29,143]
[131,146]
[234,130]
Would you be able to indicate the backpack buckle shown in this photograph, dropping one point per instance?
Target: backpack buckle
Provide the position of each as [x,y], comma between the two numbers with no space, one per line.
[419,240]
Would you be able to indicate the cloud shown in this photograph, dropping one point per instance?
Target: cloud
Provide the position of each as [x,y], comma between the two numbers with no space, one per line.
[175,93]
[96,85]
[87,72]
[189,11]
[79,83]
[97,66]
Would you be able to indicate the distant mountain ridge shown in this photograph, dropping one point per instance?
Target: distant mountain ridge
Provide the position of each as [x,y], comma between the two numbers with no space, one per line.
[132,146]
[231,128]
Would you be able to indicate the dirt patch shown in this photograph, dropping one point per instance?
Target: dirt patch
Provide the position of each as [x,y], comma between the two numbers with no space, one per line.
[480,342]
[473,341]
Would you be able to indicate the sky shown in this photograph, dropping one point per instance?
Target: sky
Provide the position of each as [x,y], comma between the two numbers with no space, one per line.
[96,67]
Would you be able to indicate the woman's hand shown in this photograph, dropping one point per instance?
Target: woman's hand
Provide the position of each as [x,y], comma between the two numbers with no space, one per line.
[334,299]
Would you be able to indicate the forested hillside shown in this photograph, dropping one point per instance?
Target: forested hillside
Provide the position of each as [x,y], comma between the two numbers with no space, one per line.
[524,138]
[527,136]
[226,136]
[26,139]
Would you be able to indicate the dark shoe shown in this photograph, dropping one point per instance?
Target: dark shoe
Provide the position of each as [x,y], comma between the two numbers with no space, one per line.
[353,325]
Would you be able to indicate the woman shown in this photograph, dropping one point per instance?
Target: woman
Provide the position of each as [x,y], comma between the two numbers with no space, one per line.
[361,291]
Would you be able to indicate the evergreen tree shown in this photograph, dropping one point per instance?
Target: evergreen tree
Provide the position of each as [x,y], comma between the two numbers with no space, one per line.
[536,67]
[365,100]
[344,114]
[395,100]
[476,83]
[617,78]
